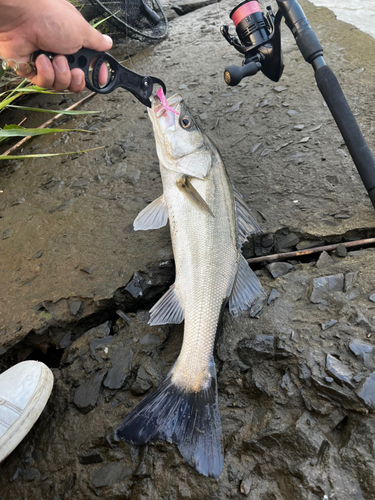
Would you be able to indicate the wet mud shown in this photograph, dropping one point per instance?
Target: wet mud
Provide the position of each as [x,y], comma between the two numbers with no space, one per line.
[295,375]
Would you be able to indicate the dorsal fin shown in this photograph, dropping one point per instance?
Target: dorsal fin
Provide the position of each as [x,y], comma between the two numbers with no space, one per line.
[246,222]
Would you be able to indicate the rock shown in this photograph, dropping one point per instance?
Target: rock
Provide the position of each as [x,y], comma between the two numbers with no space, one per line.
[341,250]
[367,392]
[101,343]
[278,269]
[142,383]
[30,475]
[324,260]
[303,245]
[372,297]
[330,323]
[87,394]
[121,366]
[90,457]
[289,241]
[136,286]
[110,474]
[339,371]
[350,280]
[326,285]
[245,486]
[133,177]
[273,296]
[149,339]
[363,352]
[75,306]
[120,171]
[256,349]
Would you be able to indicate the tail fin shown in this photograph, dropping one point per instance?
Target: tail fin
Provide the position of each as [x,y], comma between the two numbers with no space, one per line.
[189,419]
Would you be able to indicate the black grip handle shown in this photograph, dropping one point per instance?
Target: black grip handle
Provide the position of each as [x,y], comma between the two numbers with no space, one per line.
[341,112]
[234,74]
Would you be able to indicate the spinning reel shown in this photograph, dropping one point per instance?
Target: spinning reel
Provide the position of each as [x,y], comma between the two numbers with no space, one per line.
[260,42]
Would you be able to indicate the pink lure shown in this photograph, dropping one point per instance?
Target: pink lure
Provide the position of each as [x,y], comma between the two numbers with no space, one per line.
[163,100]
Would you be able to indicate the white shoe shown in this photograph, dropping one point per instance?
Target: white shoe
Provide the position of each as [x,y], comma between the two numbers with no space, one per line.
[24,392]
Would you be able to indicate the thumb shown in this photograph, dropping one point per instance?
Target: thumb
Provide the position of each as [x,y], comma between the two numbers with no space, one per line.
[94,40]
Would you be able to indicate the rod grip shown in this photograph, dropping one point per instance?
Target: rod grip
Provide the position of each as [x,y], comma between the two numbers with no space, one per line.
[341,112]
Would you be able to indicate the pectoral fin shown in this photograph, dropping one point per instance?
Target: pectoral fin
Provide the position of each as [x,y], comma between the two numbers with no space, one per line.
[184,184]
[155,215]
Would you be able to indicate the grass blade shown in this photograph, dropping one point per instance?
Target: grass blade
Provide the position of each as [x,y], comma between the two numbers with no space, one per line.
[26,108]
[44,155]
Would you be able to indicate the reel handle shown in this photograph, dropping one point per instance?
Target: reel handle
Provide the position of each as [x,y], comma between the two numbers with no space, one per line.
[234,74]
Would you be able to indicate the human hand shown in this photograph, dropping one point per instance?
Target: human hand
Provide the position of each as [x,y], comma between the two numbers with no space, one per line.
[52,26]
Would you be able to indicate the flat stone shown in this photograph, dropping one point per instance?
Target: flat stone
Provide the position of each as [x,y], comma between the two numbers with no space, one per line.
[273,296]
[372,297]
[87,394]
[142,383]
[120,171]
[292,112]
[324,260]
[339,371]
[278,269]
[121,366]
[303,245]
[110,474]
[327,325]
[367,392]
[299,127]
[325,286]
[101,343]
[291,240]
[75,306]
[341,250]
[256,349]
[136,286]
[363,352]
[350,281]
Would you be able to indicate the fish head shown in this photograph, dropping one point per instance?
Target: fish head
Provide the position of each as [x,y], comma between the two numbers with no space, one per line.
[181,145]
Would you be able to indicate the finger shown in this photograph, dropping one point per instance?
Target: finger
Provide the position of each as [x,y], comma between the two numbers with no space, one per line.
[95,40]
[45,74]
[77,82]
[62,73]
[103,75]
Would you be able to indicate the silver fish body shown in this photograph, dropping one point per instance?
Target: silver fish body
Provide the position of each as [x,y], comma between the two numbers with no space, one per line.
[209,222]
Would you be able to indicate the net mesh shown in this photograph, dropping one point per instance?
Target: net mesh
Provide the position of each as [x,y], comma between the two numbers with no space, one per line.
[136,18]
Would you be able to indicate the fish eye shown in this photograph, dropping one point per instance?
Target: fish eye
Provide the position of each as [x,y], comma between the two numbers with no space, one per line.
[186,121]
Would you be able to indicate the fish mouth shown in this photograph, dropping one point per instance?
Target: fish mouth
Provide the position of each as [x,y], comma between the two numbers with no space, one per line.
[159,108]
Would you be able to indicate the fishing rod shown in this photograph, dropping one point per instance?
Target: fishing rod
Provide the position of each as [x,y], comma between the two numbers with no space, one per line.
[259,40]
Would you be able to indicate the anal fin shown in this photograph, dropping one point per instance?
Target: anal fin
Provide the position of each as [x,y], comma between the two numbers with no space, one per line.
[246,289]
[154,216]
[167,309]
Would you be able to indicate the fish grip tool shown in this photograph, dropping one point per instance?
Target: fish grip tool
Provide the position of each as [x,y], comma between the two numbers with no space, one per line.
[91,63]
[259,41]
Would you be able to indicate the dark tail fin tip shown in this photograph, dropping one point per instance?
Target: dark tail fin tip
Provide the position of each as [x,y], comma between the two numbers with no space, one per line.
[191,420]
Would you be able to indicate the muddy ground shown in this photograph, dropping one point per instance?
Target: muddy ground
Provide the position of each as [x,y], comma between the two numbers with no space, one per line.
[296,380]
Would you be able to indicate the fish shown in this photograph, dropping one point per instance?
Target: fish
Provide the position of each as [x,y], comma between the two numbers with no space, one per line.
[209,223]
